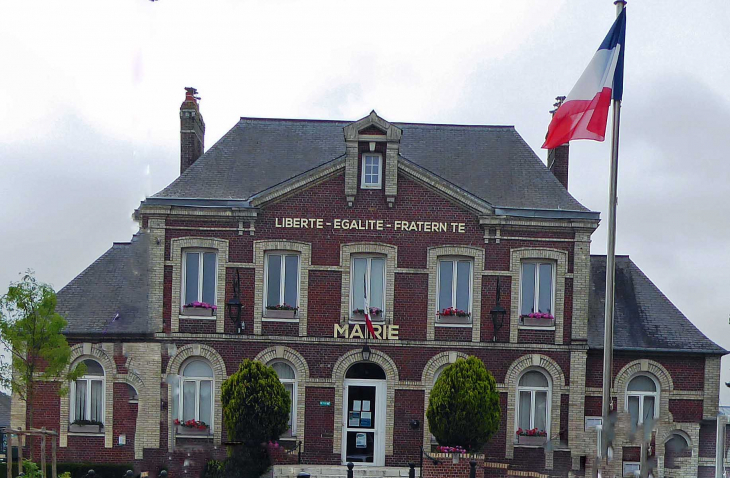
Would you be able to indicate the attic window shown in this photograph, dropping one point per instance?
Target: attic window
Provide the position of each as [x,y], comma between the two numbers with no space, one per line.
[372,171]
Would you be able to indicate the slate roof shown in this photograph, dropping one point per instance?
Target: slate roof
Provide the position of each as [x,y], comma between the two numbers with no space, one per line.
[643,316]
[4,410]
[492,163]
[115,285]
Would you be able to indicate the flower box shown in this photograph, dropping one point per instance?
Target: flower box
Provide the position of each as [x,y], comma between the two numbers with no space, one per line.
[531,440]
[280,314]
[198,312]
[193,432]
[360,316]
[85,428]
[532,322]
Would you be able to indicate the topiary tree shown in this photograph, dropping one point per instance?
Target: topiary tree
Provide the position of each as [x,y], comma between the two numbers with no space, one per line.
[463,409]
[255,404]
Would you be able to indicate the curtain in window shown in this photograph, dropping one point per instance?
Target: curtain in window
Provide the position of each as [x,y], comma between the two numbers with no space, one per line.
[209,277]
[97,397]
[648,408]
[541,410]
[274,281]
[525,410]
[192,262]
[206,401]
[377,278]
[188,401]
[463,278]
[528,288]
[446,272]
[544,303]
[290,280]
[359,270]
[634,410]
[80,405]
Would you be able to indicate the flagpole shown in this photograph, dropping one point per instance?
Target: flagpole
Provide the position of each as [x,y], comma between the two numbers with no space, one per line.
[607,404]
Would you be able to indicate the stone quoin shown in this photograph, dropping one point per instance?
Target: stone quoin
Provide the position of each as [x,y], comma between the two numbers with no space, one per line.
[299,220]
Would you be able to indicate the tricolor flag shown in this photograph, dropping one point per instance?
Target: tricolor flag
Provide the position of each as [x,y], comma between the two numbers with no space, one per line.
[368,322]
[584,113]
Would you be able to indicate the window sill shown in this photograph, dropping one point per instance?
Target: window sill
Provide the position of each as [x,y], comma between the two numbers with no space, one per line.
[81,434]
[357,320]
[532,327]
[274,319]
[196,437]
[453,325]
[198,317]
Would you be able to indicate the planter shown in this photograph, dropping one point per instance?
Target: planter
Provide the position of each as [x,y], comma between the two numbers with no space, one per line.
[192,432]
[532,322]
[453,319]
[85,428]
[198,312]
[361,317]
[531,440]
[280,314]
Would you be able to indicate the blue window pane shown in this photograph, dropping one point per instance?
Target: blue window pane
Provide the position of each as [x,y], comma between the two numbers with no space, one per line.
[358,284]
[463,279]
[209,277]
[291,280]
[446,272]
[192,265]
[545,302]
[274,282]
[377,279]
[528,288]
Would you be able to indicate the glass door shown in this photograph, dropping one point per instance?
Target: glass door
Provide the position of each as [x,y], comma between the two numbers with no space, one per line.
[362,440]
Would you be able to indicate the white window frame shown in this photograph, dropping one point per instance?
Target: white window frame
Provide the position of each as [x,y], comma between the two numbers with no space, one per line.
[642,395]
[293,411]
[369,257]
[183,299]
[197,381]
[536,297]
[533,390]
[455,260]
[593,423]
[625,473]
[282,277]
[363,183]
[88,379]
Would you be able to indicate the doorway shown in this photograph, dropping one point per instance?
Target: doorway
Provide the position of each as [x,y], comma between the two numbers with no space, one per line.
[363,421]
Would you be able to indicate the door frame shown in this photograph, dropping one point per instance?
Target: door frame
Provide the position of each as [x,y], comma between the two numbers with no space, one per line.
[379,424]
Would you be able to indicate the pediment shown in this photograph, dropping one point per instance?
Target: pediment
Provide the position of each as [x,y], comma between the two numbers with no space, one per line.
[372,125]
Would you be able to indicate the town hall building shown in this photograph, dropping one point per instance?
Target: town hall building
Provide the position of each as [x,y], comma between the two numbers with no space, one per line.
[465,243]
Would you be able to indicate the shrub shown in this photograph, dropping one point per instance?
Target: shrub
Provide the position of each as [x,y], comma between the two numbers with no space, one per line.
[214,469]
[463,409]
[255,404]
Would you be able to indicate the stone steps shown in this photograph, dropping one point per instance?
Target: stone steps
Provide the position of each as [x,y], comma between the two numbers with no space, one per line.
[324,471]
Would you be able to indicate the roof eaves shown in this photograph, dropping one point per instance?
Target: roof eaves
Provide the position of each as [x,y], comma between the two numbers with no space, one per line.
[718,351]
[195,202]
[547,213]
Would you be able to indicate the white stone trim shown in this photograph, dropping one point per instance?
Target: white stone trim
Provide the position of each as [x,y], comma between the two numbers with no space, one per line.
[177,245]
[305,263]
[391,260]
[476,254]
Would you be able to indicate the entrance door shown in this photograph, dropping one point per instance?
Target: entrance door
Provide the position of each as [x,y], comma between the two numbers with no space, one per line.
[363,437]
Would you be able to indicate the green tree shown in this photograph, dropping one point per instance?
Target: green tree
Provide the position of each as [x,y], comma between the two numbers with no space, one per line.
[256,411]
[463,409]
[31,332]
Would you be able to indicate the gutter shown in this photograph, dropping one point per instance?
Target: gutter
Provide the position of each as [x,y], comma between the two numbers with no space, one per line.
[195,202]
[547,213]
[668,351]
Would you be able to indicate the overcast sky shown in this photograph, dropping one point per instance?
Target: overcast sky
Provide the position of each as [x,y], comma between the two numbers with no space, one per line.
[91,90]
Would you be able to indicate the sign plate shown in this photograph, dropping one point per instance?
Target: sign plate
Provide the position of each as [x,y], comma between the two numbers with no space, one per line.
[325,404]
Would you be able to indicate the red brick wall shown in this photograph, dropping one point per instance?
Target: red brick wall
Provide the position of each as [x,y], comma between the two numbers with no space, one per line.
[325,296]
[687,371]
[453,334]
[280,328]
[707,440]
[411,305]
[495,447]
[529,336]
[564,408]
[446,468]
[593,406]
[197,326]
[406,448]
[632,453]
[318,434]
[489,301]
[686,410]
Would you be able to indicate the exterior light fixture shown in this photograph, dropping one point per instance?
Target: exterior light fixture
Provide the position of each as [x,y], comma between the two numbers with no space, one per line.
[366,352]
[234,305]
[498,313]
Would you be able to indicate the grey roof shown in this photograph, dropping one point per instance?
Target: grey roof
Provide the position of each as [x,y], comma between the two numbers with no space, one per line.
[4,410]
[492,163]
[643,316]
[110,296]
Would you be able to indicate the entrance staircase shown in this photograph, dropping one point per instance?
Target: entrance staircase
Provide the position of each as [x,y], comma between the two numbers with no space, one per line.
[326,471]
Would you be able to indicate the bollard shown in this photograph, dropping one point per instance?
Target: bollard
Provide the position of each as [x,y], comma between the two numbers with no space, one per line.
[412,470]
[303,474]
[350,466]
[129,474]
[163,474]
[91,474]
[473,471]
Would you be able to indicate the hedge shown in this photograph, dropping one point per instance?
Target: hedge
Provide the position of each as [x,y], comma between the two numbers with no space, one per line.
[78,470]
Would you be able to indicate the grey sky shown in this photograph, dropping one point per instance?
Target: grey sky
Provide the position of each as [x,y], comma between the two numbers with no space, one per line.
[91,92]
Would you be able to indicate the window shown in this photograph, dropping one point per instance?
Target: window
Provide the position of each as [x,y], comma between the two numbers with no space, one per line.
[199,277]
[436,376]
[289,380]
[593,423]
[371,171]
[536,288]
[533,401]
[642,399]
[454,290]
[368,272]
[631,469]
[196,399]
[87,394]
[281,280]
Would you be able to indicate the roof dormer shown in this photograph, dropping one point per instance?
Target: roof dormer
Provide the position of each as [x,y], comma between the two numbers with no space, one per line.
[372,149]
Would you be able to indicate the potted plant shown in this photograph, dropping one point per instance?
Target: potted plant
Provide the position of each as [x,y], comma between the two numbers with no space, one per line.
[192,428]
[375,313]
[455,451]
[281,311]
[86,426]
[199,309]
[453,315]
[532,437]
[538,319]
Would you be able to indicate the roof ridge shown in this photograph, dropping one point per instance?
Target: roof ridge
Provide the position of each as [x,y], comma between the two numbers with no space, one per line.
[407,123]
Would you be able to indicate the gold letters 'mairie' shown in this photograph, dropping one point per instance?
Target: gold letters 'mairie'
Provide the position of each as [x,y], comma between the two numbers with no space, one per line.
[357,331]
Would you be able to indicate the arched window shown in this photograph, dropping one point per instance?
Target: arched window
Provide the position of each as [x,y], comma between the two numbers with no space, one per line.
[288,378]
[196,399]
[87,395]
[676,446]
[533,401]
[436,376]
[642,399]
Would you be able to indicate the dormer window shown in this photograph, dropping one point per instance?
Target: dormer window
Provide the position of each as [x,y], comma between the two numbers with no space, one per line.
[372,171]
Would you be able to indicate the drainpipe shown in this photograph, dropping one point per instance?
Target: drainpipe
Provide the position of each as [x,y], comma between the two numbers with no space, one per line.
[720,446]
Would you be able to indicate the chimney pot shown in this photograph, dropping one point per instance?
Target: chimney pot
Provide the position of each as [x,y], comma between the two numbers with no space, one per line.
[558,157]
[192,130]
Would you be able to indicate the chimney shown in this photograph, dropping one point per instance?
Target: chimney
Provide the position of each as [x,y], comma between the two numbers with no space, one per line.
[557,159]
[192,130]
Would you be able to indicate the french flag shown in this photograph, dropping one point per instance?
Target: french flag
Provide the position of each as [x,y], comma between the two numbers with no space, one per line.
[584,113]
